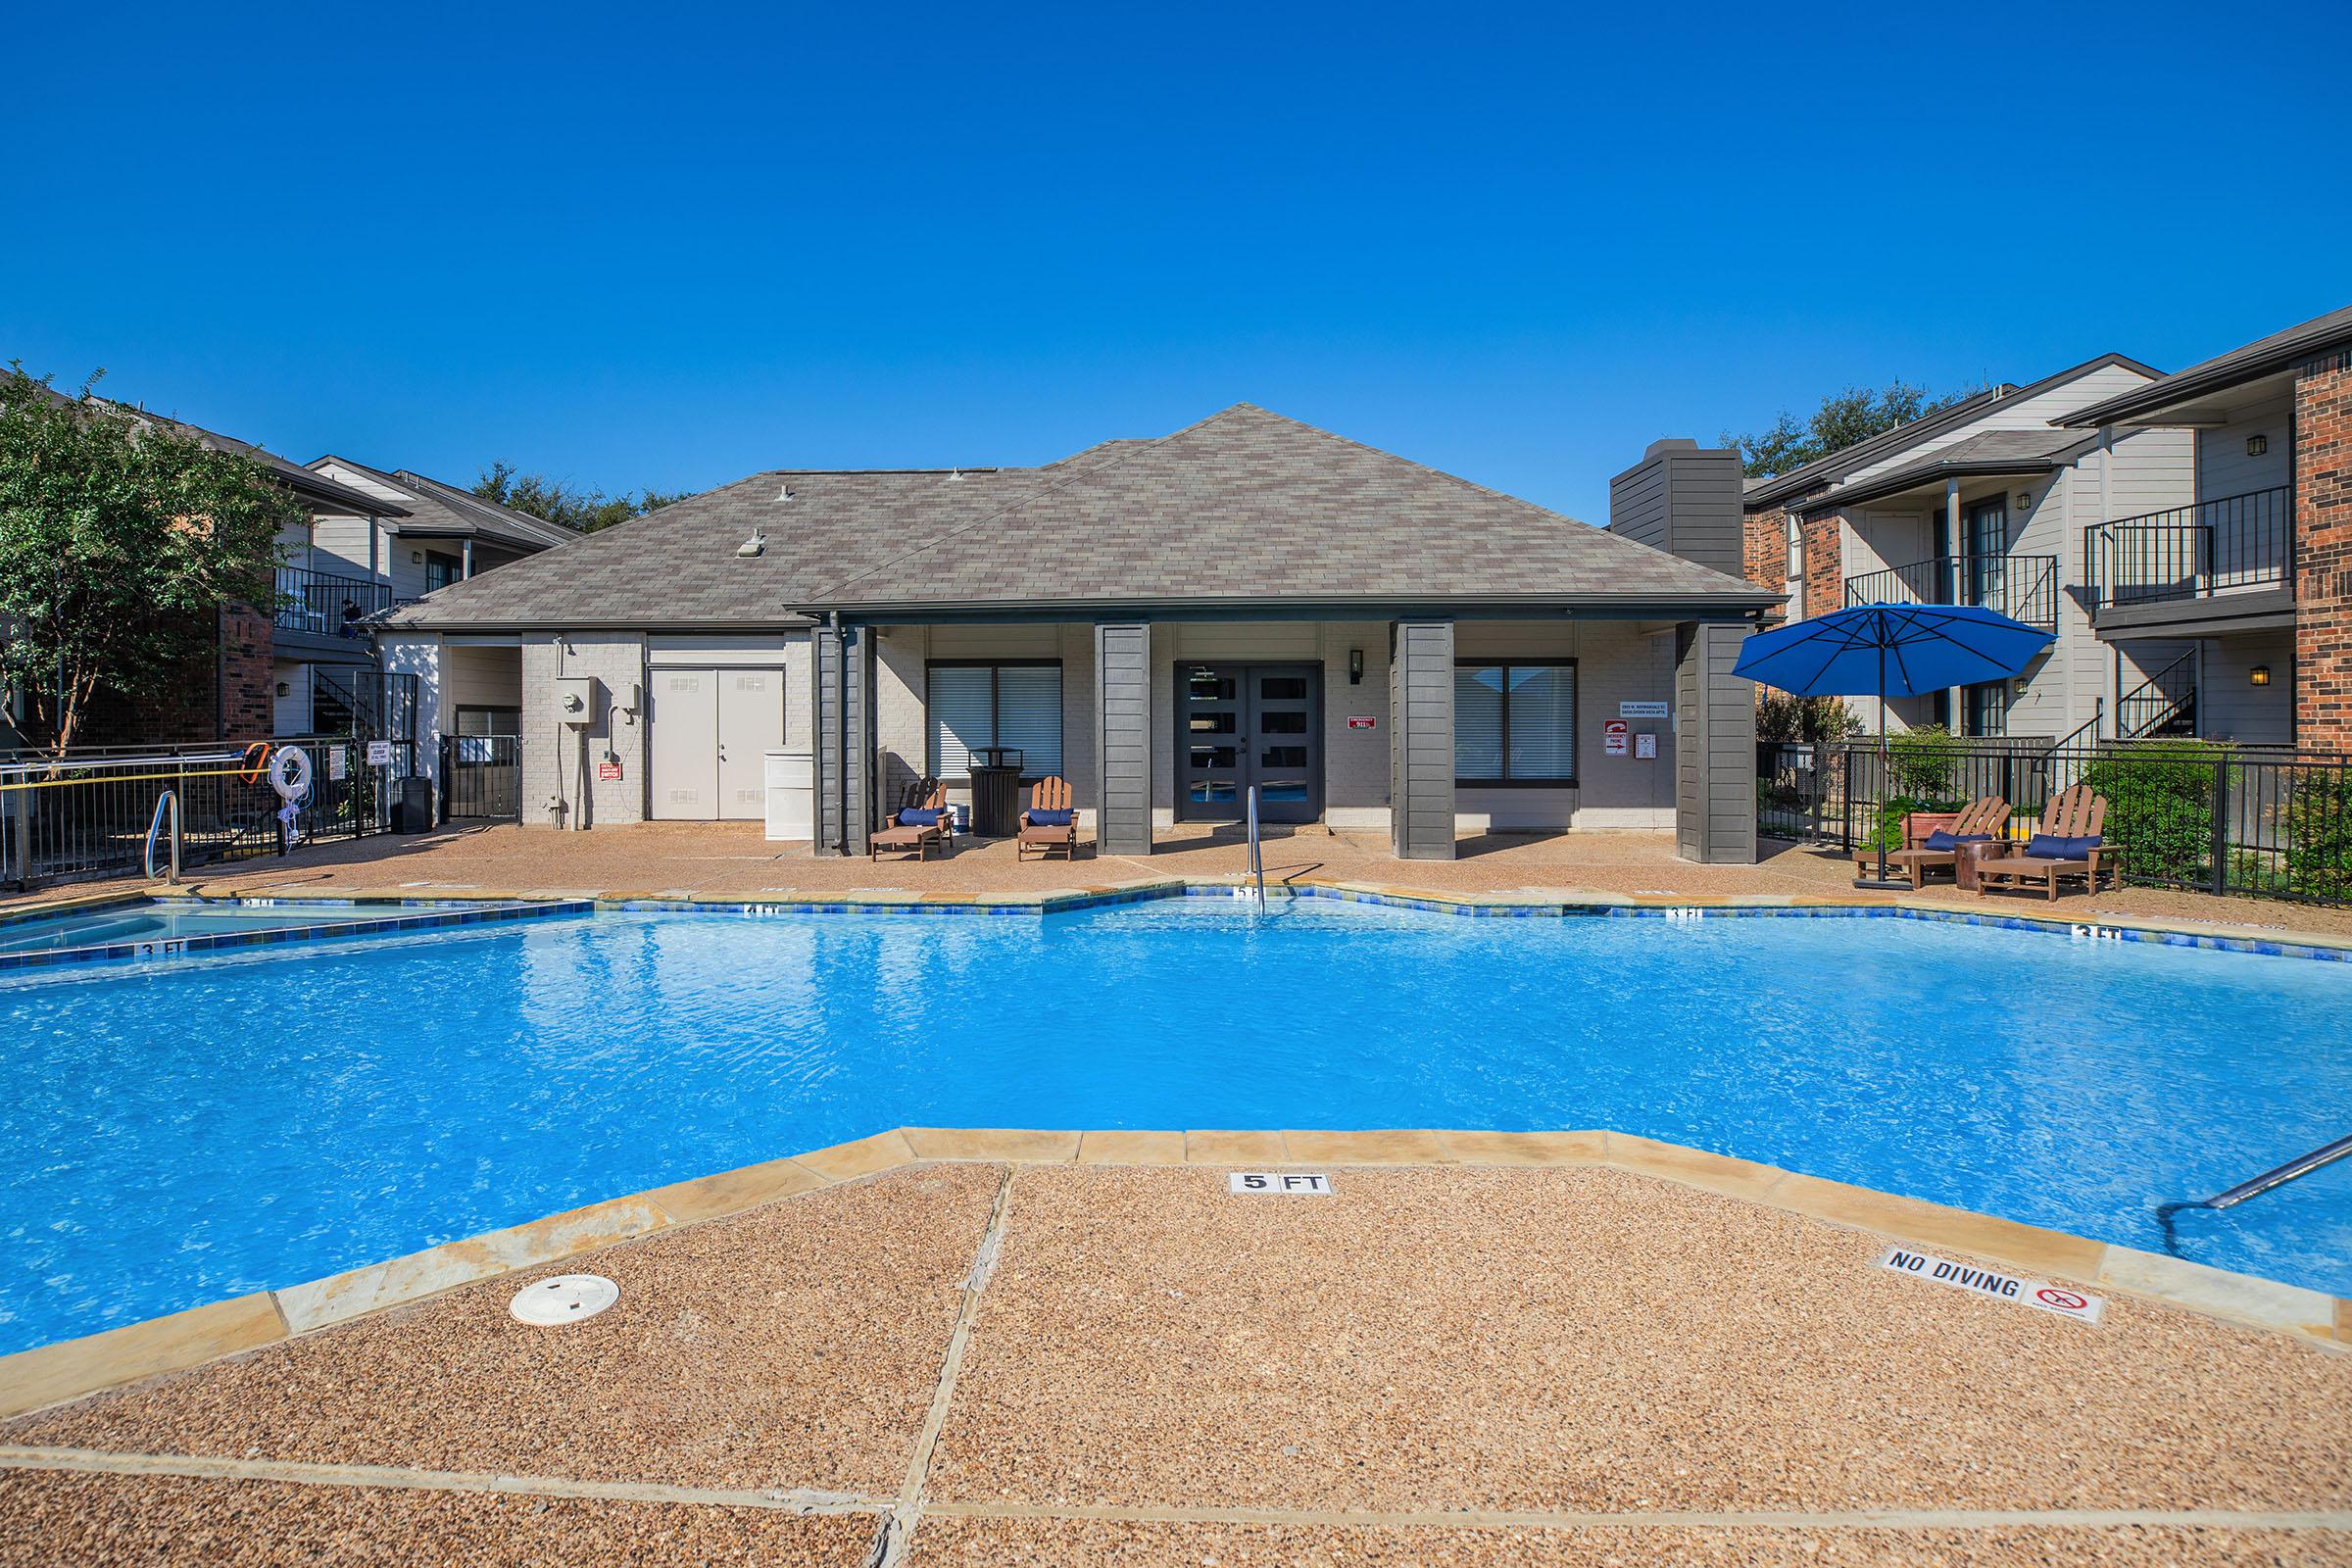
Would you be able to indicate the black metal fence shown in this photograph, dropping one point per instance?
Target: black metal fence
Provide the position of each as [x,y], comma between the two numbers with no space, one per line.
[2193,814]
[482,776]
[90,815]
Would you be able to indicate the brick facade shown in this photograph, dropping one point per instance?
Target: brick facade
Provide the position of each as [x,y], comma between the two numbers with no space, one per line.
[1825,565]
[248,699]
[225,688]
[2323,553]
[1764,549]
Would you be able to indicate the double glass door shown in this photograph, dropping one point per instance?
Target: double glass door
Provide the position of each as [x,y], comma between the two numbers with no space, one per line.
[1245,724]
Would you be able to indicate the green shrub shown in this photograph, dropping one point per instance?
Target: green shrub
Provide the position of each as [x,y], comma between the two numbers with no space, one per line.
[1807,720]
[2160,806]
[2319,833]
[1922,761]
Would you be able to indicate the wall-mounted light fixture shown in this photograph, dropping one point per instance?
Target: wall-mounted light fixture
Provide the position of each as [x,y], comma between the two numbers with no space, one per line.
[286,689]
[2257,445]
[417,557]
[2025,500]
[1356,666]
[2259,675]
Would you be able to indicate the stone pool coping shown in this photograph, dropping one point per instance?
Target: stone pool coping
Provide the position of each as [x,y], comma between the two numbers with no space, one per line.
[53,1374]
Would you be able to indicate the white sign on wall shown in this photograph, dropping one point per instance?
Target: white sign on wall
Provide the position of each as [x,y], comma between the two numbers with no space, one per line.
[379,754]
[1646,743]
[1643,710]
[1280,1183]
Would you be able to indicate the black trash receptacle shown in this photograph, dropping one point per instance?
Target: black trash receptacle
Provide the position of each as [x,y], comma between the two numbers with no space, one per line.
[413,811]
[995,772]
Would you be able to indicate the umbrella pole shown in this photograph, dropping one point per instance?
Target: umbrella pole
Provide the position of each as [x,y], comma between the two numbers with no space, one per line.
[1886,774]
[1886,783]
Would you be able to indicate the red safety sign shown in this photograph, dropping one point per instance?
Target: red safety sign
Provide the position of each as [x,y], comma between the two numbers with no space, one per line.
[1613,736]
[607,772]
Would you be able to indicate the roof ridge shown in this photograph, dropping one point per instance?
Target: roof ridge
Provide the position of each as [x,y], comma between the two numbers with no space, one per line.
[1149,444]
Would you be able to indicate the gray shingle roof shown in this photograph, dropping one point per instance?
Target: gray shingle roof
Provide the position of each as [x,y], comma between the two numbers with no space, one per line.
[1990,453]
[1244,508]
[2263,357]
[444,508]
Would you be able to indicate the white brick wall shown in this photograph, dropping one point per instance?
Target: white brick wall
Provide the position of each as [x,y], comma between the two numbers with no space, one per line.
[552,762]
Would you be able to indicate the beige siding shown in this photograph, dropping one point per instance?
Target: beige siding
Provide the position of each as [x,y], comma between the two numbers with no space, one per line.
[1617,661]
[2223,467]
[2230,707]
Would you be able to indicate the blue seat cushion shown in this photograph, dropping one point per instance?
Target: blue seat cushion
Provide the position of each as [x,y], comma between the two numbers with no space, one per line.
[1945,839]
[919,817]
[1038,819]
[2050,846]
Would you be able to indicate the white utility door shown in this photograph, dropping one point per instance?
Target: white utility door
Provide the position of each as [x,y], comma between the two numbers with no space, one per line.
[682,733]
[750,721]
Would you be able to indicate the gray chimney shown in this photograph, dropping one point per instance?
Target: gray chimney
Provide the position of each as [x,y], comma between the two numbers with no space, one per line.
[1683,499]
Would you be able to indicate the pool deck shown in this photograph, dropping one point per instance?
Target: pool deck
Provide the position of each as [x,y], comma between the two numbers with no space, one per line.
[731,861]
[939,1347]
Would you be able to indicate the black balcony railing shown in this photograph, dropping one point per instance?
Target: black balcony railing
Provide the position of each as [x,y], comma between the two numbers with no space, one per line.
[327,605]
[2022,587]
[2234,544]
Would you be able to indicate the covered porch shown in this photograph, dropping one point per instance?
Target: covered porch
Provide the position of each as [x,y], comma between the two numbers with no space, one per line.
[1419,730]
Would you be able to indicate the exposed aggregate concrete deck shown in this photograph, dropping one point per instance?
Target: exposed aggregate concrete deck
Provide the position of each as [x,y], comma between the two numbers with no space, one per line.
[1076,1363]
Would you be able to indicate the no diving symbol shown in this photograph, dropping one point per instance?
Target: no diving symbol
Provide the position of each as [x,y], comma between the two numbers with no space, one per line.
[2064,1298]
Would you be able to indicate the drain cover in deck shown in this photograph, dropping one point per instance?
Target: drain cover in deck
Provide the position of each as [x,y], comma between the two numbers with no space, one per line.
[566,1298]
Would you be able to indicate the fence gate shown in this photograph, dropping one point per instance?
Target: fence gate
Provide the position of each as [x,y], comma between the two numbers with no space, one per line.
[482,776]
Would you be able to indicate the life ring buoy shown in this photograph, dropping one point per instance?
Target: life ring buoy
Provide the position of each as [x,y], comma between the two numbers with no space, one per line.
[290,773]
[253,763]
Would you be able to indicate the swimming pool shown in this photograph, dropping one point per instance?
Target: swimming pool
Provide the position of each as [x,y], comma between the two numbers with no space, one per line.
[180,1133]
[148,927]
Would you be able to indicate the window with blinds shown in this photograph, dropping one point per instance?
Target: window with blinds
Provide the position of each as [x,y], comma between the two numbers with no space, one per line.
[975,705]
[1515,723]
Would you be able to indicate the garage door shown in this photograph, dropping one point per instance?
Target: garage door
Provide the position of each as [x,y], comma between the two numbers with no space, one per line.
[708,733]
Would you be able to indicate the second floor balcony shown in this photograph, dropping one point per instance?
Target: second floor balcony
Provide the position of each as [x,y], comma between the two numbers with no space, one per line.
[2233,545]
[2022,587]
[324,604]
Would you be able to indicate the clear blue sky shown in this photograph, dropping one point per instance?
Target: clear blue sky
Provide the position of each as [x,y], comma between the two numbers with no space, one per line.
[660,246]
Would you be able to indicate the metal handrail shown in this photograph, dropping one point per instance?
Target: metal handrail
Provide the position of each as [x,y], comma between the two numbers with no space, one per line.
[2194,552]
[2074,737]
[2152,704]
[1257,860]
[170,799]
[2278,1176]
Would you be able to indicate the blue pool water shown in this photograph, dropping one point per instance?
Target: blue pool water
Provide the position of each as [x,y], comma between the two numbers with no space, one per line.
[164,920]
[184,1132]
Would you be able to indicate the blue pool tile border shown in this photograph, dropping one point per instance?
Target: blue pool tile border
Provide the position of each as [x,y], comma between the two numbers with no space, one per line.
[2047,925]
[436,914]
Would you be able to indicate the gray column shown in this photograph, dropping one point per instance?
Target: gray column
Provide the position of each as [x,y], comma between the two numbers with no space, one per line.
[1956,534]
[1123,738]
[1421,740]
[1714,747]
[843,713]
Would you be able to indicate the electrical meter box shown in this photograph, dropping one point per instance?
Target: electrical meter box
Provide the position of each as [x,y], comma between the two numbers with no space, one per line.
[576,699]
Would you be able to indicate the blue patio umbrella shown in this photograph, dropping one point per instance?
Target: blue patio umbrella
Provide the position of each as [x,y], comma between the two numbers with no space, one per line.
[1887,651]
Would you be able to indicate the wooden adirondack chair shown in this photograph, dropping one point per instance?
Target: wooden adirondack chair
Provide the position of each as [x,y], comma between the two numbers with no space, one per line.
[925,794]
[1051,793]
[1989,816]
[2072,814]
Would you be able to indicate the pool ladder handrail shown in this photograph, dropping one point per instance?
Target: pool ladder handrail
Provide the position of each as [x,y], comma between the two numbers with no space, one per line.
[2278,1176]
[167,800]
[1257,859]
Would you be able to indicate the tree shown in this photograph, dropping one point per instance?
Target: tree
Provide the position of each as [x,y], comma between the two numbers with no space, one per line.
[121,538]
[1843,419]
[556,501]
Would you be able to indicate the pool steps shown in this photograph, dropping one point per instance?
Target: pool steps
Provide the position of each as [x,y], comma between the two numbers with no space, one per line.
[52,1374]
